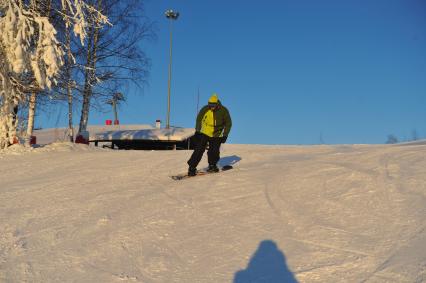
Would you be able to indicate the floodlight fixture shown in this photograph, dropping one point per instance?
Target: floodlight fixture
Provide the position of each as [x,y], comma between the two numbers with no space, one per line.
[170,14]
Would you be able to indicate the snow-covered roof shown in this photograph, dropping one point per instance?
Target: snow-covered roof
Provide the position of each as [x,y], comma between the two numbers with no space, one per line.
[172,134]
[47,136]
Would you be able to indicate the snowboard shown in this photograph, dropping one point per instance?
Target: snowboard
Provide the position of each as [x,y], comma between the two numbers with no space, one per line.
[200,173]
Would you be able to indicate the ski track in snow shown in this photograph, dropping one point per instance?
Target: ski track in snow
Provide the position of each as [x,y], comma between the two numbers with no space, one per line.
[336,213]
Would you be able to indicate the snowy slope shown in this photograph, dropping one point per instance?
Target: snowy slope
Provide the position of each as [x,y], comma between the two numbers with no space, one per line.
[344,213]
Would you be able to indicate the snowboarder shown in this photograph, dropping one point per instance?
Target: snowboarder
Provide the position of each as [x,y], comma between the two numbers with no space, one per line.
[212,127]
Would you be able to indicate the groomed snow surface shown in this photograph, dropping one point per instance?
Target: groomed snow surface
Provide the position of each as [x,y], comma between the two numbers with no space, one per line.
[344,213]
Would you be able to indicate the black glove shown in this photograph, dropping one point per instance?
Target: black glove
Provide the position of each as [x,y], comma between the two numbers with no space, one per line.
[224,138]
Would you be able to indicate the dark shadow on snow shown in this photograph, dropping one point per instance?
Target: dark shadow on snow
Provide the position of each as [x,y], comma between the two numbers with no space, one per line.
[229,160]
[267,265]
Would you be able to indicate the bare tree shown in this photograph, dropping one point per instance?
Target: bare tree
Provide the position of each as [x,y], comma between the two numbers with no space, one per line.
[392,139]
[89,77]
[414,135]
[114,57]
[69,63]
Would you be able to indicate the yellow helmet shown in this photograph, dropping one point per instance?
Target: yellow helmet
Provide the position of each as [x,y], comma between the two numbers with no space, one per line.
[213,98]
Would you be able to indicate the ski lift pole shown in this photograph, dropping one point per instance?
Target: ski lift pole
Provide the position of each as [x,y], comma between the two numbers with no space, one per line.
[114,107]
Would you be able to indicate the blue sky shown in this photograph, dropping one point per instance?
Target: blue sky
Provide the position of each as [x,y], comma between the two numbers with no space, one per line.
[290,72]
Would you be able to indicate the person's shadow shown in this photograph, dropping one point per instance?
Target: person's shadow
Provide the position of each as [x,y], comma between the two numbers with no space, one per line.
[268,265]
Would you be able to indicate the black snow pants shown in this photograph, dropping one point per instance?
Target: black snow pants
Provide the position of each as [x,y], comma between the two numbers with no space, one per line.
[213,153]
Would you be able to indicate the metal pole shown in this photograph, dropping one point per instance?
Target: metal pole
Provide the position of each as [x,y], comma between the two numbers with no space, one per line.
[170,78]
[114,107]
[198,102]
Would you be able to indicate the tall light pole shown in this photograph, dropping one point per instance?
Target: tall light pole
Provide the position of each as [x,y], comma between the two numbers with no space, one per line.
[171,15]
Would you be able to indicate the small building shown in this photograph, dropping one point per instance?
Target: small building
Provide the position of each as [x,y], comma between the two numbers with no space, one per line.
[125,136]
[147,139]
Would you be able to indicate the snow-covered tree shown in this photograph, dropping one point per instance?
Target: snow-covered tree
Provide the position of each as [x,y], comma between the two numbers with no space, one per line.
[30,55]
